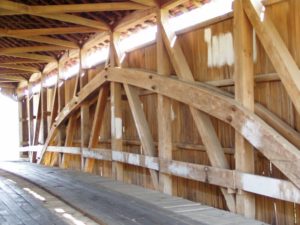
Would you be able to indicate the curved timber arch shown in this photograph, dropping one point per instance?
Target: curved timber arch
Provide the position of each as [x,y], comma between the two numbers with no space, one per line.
[284,155]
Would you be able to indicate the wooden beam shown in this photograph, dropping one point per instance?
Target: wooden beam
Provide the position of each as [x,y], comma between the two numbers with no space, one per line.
[164,122]
[37,122]
[272,2]
[276,49]
[142,127]
[203,123]
[116,111]
[30,118]
[150,3]
[171,4]
[73,8]
[41,48]
[44,58]
[97,123]
[48,31]
[18,61]
[46,40]
[134,18]
[100,25]
[25,9]
[69,140]
[244,93]
[272,145]
[116,126]
[12,77]
[44,112]
[270,187]
[20,67]
[84,129]
[86,7]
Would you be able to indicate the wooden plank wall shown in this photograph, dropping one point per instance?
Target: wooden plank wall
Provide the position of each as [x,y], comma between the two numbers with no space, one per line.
[270,94]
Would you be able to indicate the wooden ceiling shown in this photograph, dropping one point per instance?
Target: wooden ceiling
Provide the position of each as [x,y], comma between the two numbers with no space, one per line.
[36,32]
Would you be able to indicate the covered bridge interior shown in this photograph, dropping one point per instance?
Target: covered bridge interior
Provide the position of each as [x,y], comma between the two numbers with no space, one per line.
[152,111]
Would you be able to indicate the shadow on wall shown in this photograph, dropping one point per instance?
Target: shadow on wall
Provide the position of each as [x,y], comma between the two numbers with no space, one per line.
[9,129]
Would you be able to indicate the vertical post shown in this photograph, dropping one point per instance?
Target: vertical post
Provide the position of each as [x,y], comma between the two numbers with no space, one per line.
[163,113]
[244,93]
[116,113]
[23,124]
[44,110]
[30,116]
[61,105]
[84,112]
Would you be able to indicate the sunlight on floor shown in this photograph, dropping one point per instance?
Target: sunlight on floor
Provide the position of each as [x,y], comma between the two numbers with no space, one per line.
[9,129]
[34,194]
[69,217]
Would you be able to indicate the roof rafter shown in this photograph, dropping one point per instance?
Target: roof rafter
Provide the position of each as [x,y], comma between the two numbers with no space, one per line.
[41,48]
[42,39]
[19,61]
[11,77]
[44,58]
[49,31]
[151,3]
[87,7]
[20,67]
[20,8]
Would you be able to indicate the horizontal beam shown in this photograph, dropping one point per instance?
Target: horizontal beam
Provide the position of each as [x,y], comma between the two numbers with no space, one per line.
[20,67]
[134,18]
[42,39]
[14,8]
[41,48]
[44,58]
[18,61]
[150,3]
[12,77]
[49,31]
[86,7]
[266,186]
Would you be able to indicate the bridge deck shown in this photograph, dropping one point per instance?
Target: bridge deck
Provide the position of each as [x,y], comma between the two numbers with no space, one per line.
[110,202]
[17,207]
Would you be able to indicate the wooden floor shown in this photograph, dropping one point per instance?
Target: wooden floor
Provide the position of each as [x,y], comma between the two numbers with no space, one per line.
[19,207]
[111,202]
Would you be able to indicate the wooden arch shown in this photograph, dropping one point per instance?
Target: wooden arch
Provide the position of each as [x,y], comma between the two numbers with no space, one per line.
[284,155]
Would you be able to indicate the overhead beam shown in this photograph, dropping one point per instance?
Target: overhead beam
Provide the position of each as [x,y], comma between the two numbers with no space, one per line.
[86,7]
[41,48]
[44,58]
[134,18]
[101,25]
[48,31]
[150,3]
[171,4]
[43,39]
[74,8]
[20,67]
[18,61]
[20,8]
[276,49]
[12,77]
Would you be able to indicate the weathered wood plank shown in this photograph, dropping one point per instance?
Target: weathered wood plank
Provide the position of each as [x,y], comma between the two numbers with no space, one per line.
[244,93]
[142,127]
